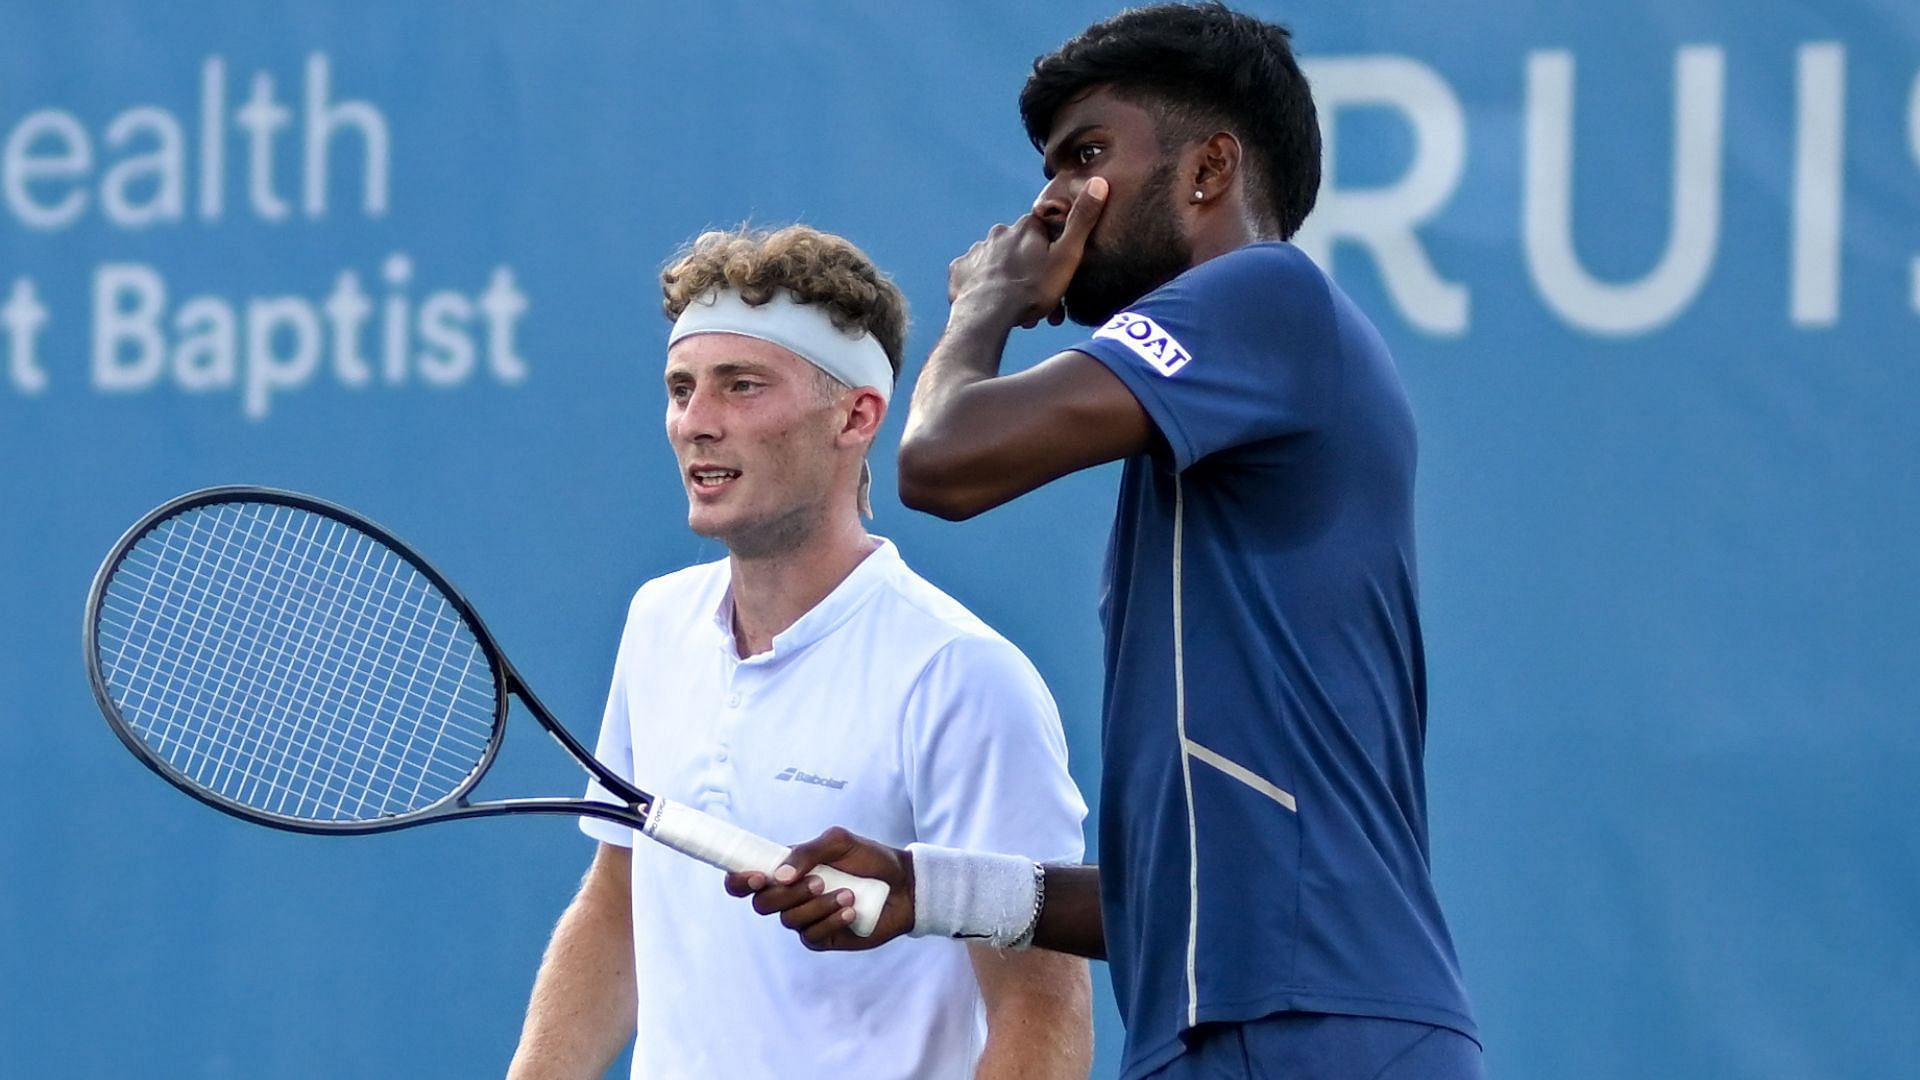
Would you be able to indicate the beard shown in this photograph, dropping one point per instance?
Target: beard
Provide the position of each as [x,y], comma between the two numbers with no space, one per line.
[1130,256]
[770,537]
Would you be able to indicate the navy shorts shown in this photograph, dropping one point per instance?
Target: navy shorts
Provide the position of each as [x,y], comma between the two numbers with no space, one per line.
[1317,1046]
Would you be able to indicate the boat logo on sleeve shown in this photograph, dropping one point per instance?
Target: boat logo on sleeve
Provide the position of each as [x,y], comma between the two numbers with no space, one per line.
[1148,341]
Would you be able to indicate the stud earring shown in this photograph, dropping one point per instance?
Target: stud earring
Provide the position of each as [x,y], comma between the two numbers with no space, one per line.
[1198,195]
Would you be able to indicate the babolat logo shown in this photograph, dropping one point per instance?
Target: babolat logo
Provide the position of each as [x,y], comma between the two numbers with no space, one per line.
[1147,340]
[809,778]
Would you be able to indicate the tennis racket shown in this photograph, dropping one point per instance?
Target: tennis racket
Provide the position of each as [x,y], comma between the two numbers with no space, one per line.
[291,663]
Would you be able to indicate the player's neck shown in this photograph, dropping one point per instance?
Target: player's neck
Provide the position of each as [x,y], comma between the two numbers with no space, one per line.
[771,593]
[1229,230]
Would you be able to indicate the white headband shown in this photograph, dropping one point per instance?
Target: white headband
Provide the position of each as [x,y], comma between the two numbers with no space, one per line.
[803,329]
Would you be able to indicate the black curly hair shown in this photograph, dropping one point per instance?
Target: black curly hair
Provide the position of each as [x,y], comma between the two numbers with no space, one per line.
[1199,68]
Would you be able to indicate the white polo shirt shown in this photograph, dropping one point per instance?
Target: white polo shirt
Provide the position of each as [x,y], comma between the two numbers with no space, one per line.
[889,709]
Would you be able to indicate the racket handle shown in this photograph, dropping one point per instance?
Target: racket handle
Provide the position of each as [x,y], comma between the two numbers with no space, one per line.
[730,847]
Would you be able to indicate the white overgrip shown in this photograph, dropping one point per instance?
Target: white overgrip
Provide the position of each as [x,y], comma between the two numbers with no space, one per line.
[730,847]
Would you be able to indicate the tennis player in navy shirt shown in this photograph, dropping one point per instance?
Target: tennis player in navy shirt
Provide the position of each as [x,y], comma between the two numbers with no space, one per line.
[1264,895]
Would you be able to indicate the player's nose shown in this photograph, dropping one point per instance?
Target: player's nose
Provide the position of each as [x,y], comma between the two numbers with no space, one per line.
[1052,204]
[697,419]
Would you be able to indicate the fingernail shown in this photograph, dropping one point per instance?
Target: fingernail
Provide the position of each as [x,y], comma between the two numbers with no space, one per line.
[785,874]
[845,896]
[847,915]
[1097,187]
[816,886]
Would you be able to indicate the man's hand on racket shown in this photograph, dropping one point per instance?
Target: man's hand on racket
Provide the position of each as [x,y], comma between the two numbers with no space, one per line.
[823,918]
[1022,270]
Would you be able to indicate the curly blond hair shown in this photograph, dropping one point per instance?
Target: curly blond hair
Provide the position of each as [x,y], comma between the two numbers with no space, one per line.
[817,267]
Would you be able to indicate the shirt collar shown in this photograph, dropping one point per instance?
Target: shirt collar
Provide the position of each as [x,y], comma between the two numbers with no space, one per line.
[820,620]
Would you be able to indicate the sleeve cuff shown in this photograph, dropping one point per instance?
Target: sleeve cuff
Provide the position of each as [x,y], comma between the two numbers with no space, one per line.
[1126,367]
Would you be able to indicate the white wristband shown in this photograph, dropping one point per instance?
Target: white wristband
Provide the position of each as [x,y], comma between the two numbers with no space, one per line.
[972,895]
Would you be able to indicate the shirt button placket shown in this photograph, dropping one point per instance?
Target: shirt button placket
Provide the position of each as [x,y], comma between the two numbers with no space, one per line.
[719,776]
[729,719]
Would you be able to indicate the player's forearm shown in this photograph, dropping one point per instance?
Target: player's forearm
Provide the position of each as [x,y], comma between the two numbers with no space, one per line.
[1070,920]
[947,447]
[582,1010]
[1039,1015]
[1040,1047]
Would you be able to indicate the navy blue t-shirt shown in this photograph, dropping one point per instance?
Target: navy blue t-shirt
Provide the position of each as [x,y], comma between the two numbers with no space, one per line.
[1263,826]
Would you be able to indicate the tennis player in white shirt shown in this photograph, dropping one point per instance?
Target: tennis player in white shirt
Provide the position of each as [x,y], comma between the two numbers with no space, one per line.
[809,679]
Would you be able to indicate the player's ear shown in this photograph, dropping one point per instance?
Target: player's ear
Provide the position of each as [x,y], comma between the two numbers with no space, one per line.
[1214,164]
[865,413]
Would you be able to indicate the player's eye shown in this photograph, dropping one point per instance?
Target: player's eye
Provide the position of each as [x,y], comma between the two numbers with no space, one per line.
[1086,152]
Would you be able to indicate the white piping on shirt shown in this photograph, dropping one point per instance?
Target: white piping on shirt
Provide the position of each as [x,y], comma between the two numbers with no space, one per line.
[1243,774]
[1186,762]
[1190,750]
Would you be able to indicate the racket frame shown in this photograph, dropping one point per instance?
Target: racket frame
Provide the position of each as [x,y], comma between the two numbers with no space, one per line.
[507,685]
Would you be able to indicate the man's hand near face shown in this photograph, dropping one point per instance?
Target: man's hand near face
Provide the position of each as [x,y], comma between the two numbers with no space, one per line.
[1020,272]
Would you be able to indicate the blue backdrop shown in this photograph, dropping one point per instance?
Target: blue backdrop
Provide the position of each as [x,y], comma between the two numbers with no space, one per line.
[1649,269]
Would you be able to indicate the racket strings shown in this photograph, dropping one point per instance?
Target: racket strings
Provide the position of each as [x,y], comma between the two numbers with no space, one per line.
[192,739]
[288,662]
[296,601]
